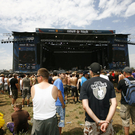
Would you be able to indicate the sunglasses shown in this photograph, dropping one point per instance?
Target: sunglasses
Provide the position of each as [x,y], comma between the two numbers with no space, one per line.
[39,75]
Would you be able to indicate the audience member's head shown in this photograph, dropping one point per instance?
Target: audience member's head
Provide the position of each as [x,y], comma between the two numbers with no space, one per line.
[43,72]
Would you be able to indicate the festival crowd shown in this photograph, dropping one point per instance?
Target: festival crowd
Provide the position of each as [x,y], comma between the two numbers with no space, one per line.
[50,91]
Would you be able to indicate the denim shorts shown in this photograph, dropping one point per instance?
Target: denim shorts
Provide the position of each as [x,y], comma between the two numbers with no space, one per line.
[61,112]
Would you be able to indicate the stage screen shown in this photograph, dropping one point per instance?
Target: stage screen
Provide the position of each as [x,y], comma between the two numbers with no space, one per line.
[119,55]
[26,57]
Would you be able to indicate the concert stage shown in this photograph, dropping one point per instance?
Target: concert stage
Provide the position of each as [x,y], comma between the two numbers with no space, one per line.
[68,48]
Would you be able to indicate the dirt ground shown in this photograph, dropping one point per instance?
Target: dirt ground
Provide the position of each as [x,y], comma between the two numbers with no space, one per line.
[74,117]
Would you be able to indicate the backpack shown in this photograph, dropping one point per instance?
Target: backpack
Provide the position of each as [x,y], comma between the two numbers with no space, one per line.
[130,94]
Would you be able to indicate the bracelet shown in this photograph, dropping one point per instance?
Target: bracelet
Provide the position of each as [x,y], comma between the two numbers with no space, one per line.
[98,122]
[107,122]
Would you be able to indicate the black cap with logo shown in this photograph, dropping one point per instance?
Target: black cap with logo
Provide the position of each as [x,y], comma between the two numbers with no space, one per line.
[95,67]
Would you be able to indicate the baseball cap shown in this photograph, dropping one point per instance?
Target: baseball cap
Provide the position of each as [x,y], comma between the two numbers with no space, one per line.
[95,67]
[127,70]
[85,72]
[74,73]
[61,71]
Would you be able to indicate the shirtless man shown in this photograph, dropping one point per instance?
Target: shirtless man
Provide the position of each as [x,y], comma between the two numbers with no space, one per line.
[73,83]
[64,81]
[121,76]
[68,82]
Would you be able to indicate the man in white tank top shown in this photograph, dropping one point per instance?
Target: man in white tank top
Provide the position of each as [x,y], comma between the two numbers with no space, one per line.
[44,96]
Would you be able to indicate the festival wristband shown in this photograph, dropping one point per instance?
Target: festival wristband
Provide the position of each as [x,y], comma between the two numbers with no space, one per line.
[98,122]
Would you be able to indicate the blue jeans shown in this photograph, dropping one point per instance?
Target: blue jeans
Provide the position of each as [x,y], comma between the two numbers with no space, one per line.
[61,112]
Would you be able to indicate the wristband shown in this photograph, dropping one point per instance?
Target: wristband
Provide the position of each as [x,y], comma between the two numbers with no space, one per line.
[98,122]
[107,122]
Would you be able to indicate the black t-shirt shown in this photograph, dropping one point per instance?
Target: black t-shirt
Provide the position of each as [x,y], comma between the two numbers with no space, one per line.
[123,85]
[110,78]
[98,91]
[116,78]
[50,80]
[13,81]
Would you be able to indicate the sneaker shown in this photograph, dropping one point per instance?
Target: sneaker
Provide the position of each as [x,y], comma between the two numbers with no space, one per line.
[74,102]
[12,105]
[22,106]
[28,105]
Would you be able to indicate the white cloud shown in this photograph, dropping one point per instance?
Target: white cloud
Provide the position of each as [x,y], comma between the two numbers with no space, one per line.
[102,3]
[29,14]
[116,21]
[130,10]
[26,15]
[113,8]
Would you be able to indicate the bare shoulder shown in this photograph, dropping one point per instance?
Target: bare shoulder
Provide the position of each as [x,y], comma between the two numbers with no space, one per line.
[32,88]
[32,92]
[55,88]
[55,92]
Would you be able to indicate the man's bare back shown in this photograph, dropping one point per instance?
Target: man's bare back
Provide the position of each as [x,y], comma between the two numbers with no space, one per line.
[73,81]
[64,80]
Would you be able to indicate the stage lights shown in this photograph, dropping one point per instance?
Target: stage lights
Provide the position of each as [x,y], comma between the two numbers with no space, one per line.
[16,41]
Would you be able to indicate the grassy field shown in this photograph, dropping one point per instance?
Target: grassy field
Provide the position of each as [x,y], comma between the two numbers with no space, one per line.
[74,117]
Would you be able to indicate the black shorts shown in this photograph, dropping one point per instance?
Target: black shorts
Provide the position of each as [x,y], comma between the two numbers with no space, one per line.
[65,89]
[74,91]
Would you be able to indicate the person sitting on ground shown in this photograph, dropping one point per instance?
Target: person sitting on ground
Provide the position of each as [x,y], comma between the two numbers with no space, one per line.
[19,120]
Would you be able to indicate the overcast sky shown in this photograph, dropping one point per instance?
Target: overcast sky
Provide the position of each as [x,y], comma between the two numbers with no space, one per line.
[26,15]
